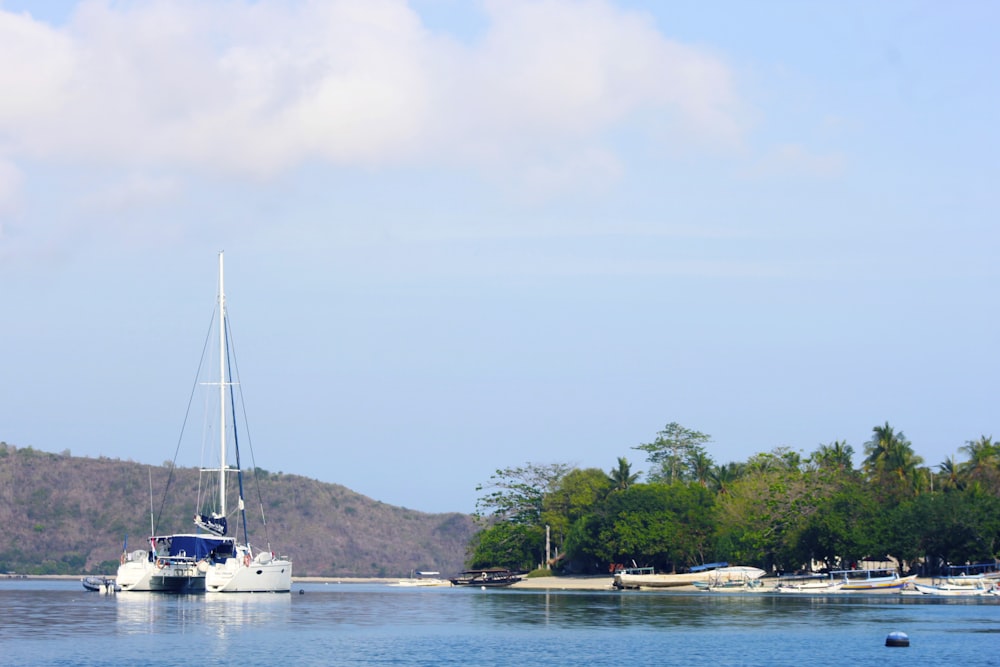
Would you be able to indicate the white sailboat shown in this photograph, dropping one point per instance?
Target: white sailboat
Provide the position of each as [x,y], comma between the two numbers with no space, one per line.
[244,568]
[210,561]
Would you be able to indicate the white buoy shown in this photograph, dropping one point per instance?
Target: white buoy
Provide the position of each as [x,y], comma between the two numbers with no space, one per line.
[897,639]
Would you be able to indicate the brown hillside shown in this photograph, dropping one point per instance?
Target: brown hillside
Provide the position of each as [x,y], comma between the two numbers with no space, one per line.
[67,514]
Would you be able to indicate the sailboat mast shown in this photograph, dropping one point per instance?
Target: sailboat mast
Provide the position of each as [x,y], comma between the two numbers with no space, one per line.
[222,391]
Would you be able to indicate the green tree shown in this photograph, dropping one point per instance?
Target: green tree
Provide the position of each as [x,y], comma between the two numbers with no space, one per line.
[722,476]
[511,515]
[891,464]
[951,475]
[574,495]
[517,494]
[659,525]
[510,545]
[762,514]
[958,527]
[622,477]
[983,466]
[842,529]
[633,524]
[674,454]
[837,456]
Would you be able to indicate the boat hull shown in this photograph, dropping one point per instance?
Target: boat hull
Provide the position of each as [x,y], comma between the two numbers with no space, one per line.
[952,590]
[880,584]
[150,577]
[261,575]
[716,578]
[809,588]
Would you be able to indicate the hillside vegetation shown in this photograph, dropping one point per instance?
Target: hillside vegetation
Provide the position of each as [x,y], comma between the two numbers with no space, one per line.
[62,514]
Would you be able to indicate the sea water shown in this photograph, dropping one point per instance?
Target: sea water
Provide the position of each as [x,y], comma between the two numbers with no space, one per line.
[58,623]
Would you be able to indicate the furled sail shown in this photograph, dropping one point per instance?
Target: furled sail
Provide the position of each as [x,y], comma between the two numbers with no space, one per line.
[213,523]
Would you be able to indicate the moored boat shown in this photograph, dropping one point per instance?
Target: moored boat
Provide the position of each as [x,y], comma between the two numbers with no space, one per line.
[245,568]
[211,561]
[100,584]
[487,577]
[423,579]
[174,563]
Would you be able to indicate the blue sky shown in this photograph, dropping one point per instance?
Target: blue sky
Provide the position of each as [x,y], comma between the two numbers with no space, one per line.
[462,236]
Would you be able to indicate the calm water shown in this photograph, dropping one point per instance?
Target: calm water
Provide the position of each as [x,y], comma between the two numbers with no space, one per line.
[58,623]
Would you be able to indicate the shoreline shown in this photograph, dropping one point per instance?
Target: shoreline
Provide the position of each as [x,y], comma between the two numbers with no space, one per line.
[558,583]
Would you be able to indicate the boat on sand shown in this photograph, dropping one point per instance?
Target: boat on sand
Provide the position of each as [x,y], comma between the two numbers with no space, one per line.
[714,574]
[885,578]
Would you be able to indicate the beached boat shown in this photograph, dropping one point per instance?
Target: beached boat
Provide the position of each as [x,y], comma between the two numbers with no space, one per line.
[972,575]
[870,580]
[809,585]
[955,590]
[732,586]
[487,578]
[717,574]
[961,581]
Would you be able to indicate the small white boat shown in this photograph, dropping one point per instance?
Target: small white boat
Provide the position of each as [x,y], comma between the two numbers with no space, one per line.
[423,579]
[945,589]
[960,581]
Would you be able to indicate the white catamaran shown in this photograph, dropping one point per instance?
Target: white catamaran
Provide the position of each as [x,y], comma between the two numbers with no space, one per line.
[213,561]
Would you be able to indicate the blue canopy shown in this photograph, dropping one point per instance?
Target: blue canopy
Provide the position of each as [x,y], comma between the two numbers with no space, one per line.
[196,546]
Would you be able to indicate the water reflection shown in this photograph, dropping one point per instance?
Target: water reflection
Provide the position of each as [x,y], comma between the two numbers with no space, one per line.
[217,614]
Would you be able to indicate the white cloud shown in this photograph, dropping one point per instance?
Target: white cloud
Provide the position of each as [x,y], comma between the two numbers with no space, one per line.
[259,87]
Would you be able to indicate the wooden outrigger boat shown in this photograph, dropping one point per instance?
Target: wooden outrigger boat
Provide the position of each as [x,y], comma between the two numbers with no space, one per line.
[494,577]
[886,578]
[961,581]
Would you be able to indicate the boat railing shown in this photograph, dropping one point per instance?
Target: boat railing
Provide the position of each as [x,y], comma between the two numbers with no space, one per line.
[856,575]
[802,578]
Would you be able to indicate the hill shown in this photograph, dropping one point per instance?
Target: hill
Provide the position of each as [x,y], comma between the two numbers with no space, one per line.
[62,514]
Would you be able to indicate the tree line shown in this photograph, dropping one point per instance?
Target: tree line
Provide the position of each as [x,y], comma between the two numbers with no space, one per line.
[779,510]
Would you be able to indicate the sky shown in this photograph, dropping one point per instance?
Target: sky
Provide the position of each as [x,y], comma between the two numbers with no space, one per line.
[465,235]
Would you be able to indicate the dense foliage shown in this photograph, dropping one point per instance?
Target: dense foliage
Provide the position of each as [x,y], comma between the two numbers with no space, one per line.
[779,510]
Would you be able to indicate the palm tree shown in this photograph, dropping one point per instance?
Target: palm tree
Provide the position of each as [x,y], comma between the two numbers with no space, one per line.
[622,476]
[722,476]
[983,465]
[838,456]
[890,459]
[950,474]
[700,466]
